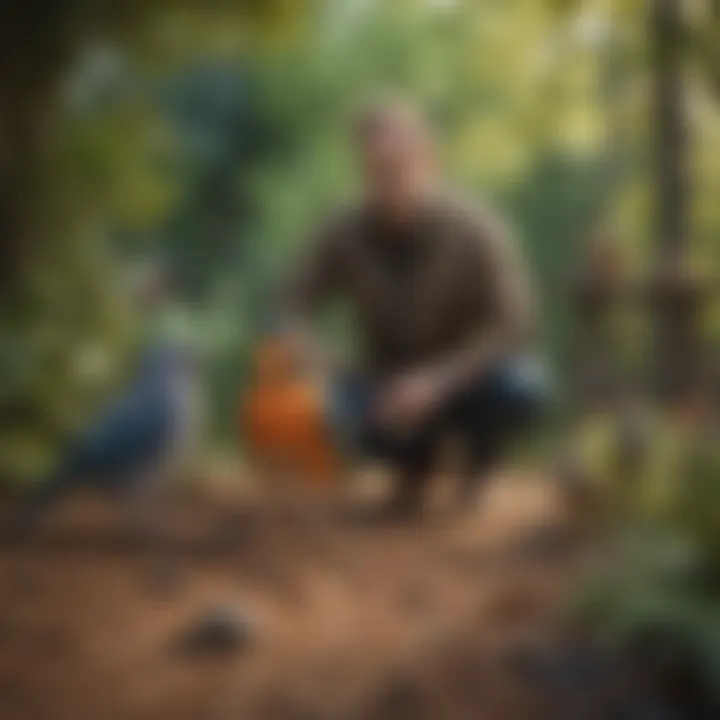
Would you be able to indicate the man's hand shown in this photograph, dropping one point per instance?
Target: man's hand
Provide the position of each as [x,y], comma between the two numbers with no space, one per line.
[409,399]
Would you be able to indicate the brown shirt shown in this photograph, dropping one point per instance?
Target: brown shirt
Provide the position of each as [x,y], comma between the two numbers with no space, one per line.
[447,281]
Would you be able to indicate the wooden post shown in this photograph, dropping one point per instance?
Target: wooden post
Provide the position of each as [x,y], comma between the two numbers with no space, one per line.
[674,299]
[596,291]
[671,130]
[678,301]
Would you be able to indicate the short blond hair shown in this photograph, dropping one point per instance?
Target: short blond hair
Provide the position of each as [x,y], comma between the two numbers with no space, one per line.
[395,112]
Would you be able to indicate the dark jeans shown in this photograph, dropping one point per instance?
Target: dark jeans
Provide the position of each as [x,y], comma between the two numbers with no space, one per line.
[486,415]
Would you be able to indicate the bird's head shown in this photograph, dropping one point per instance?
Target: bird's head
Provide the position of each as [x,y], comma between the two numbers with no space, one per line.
[167,360]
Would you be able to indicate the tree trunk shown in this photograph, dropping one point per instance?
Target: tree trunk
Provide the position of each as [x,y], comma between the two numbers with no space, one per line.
[671,140]
[33,53]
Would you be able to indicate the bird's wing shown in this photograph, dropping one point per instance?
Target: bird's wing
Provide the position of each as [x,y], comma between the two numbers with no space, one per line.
[132,431]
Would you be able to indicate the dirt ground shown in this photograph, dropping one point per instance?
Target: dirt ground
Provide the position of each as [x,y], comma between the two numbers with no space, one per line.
[347,619]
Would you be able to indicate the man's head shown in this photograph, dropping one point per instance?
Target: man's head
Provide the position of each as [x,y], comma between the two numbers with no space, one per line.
[397,153]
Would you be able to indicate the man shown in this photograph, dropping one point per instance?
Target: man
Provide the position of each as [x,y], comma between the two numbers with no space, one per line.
[442,305]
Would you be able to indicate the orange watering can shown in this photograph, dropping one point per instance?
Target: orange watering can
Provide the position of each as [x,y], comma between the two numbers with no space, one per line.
[283,418]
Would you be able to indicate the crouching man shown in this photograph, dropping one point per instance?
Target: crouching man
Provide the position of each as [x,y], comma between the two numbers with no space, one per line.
[442,311]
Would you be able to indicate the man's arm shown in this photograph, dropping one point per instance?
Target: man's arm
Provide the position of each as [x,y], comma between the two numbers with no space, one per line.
[505,298]
[315,280]
[504,304]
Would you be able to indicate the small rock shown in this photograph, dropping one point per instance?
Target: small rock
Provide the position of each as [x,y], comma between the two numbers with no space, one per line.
[221,629]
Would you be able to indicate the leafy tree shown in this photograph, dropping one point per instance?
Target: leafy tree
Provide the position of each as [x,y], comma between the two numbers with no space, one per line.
[83,160]
[37,50]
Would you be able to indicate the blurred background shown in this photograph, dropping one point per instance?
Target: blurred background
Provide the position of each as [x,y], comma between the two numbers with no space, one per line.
[205,140]
[208,141]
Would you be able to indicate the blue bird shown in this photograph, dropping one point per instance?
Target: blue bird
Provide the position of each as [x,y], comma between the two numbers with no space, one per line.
[133,448]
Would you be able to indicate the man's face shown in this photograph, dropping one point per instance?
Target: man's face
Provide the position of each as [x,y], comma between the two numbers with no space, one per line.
[395,156]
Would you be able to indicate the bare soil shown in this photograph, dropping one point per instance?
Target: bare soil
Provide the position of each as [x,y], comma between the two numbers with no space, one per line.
[348,619]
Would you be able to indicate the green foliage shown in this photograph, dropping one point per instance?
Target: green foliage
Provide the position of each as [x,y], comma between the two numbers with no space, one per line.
[91,169]
[654,588]
[696,510]
[208,138]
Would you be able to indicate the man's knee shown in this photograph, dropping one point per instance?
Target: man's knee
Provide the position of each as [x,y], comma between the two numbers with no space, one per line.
[514,393]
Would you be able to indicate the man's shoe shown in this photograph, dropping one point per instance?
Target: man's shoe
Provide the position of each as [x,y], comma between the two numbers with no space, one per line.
[405,504]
